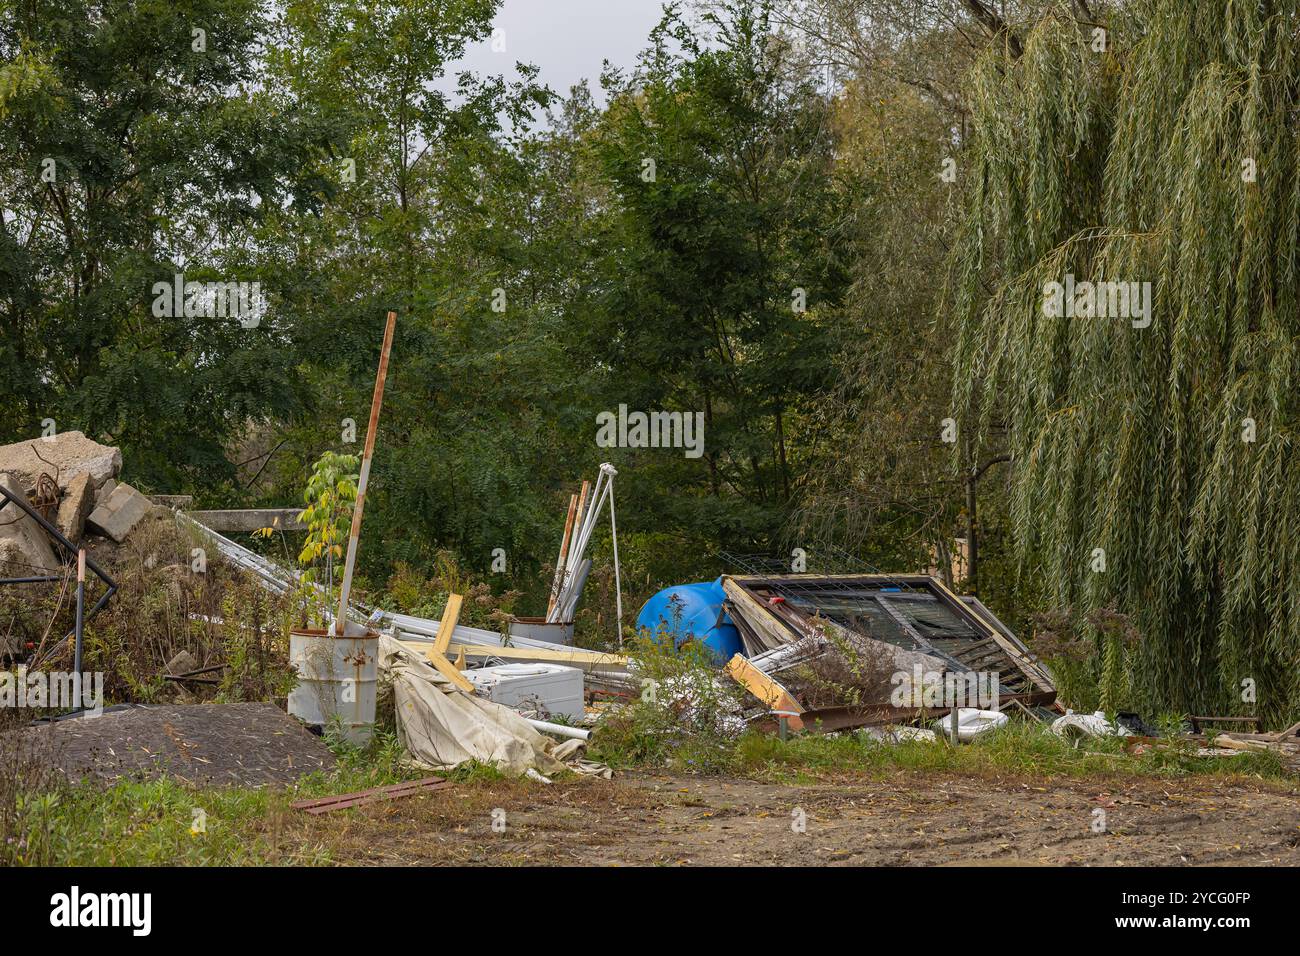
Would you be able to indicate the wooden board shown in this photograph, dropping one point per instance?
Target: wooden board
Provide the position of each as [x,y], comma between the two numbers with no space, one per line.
[578,656]
[448,670]
[772,694]
[450,615]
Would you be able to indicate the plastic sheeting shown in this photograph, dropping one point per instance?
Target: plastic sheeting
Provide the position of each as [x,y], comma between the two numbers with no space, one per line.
[1074,726]
[441,727]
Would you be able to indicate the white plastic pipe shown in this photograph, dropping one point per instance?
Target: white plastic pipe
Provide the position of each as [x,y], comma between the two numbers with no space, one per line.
[560,730]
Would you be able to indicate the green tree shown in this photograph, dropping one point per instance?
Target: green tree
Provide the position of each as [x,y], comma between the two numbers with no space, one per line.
[137,144]
[1165,448]
[722,266]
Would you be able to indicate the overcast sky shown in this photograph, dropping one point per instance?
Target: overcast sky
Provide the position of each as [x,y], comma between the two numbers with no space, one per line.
[567,39]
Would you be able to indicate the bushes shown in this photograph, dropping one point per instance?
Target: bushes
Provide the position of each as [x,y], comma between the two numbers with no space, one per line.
[685,716]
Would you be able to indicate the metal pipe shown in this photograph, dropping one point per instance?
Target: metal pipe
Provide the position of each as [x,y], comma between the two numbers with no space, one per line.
[613,534]
[81,609]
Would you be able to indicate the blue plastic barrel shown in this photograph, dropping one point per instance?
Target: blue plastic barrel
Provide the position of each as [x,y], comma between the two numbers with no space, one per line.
[692,612]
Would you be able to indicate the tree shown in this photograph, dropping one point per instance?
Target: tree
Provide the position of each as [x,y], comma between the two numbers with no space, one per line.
[137,145]
[721,263]
[1155,468]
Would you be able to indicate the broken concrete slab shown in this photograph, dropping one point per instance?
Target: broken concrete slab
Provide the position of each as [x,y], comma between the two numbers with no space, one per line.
[63,457]
[182,663]
[104,491]
[25,547]
[250,519]
[75,506]
[117,516]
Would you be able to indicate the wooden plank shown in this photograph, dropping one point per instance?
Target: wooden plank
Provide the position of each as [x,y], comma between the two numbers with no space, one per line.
[359,506]
[772,694]
[577,656]
[758,616]
[450,615]
[448,670]
[558,581]
[396,792]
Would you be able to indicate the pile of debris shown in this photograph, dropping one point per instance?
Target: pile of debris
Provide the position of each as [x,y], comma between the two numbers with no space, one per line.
[72,482]
[910,648]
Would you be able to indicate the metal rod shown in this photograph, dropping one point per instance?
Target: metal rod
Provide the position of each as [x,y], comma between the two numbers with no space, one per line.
[81,609]
[613,534]
[340,623]
[70,548]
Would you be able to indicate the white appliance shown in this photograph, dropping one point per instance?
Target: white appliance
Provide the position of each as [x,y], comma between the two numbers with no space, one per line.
[546,688]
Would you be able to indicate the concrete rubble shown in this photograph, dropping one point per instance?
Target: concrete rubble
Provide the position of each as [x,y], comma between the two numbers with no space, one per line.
[63,457]
[116,515]
[90,498]
[75,506]
[24,546]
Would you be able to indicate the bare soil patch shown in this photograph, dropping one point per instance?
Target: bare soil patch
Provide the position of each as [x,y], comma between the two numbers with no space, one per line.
[894,820]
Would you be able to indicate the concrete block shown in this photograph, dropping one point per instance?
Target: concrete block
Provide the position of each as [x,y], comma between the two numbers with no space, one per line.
[24,544]
[63,456]
[118,516]
[77,503]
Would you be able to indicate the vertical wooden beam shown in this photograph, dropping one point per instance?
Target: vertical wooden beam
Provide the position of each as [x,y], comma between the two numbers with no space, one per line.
[450,615]
[564,554]
[340,623]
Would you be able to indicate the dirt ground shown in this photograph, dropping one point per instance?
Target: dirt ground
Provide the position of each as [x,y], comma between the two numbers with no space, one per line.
[899,820]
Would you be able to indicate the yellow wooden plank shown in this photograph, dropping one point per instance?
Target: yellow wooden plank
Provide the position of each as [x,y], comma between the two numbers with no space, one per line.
[448,670]
[772,694]
[577,656]
[450,615]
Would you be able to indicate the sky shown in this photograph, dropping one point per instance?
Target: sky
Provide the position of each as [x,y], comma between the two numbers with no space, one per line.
[566,39]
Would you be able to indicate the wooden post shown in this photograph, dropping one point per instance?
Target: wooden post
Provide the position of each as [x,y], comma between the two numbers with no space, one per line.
[447,627]
[564,554]
[340,623]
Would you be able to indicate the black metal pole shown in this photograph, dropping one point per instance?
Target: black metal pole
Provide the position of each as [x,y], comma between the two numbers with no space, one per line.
[20,501]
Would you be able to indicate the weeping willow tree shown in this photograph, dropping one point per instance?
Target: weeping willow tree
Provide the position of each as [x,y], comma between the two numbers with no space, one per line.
[1156,472]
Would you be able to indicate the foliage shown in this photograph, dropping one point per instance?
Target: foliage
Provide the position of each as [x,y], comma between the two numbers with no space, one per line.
[750,225]
[685,716]
[411,592]
[330,495]
[1167,446]
[135,155]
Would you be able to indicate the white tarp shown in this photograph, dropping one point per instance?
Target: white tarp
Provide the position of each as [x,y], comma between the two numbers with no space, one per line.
[441,726]
[1074,726]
